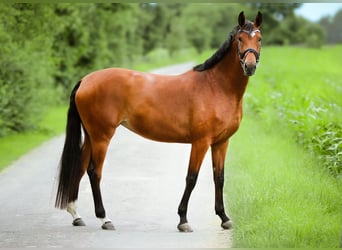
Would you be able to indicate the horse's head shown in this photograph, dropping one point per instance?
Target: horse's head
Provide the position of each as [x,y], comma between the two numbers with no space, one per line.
[248,38]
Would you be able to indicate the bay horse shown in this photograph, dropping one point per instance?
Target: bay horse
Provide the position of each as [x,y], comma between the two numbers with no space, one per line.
[202,107]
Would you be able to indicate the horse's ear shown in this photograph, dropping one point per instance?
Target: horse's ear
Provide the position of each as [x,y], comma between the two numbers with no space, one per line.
[242,19]
[258,19]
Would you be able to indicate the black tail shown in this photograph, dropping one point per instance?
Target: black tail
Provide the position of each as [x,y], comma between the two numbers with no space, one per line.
[70,165]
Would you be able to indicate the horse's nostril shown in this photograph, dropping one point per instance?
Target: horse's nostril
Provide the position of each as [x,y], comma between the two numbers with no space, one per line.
[249,69]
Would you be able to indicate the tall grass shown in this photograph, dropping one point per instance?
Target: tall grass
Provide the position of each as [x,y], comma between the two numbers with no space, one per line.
[278,196]
[284,182]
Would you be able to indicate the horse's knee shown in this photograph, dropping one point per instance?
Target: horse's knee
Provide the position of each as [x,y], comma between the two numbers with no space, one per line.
[191,180]
[92,173]
[219,179]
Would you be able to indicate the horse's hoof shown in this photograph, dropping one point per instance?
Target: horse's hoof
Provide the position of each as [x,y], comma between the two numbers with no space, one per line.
[184,228]
[78,222]
[108,225]
[227,225]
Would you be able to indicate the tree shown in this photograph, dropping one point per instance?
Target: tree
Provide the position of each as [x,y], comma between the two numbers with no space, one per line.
[273,15]
[157,24]
[94,36]
[208,25]
[25,65]
[333,28]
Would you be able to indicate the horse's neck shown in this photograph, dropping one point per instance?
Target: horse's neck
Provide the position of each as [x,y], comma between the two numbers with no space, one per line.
[229,75]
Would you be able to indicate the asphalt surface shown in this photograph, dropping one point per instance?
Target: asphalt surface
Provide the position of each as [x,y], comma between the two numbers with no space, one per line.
[142,185]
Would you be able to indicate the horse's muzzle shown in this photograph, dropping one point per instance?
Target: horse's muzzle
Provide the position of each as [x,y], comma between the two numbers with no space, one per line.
[249,65]
[249,69]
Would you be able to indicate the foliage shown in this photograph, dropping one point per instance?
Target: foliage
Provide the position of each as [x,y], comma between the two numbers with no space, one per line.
[284,28]
[104,42]
[208,25]
[297,31]
[25,66]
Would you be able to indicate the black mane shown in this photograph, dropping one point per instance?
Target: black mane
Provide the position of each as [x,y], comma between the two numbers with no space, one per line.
[222,51]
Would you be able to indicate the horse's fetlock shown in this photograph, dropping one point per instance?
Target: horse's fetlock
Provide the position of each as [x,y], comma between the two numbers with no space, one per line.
[100,213]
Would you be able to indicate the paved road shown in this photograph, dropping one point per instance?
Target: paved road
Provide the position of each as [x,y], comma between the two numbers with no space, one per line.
[142,185]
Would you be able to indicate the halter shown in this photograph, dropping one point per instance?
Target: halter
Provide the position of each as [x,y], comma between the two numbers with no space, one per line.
[244,54]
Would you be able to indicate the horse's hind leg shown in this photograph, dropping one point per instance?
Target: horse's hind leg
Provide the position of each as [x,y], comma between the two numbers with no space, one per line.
[218,157]
[99,150]
[71,208]
[198,151]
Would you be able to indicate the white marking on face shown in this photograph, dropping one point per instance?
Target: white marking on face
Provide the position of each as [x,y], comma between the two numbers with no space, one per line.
[252,33]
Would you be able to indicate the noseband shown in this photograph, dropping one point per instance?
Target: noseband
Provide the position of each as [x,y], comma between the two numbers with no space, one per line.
[242,55]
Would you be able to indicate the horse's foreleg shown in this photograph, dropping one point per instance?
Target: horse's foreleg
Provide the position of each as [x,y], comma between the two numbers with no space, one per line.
[99,149]
[218,158]
[198,151]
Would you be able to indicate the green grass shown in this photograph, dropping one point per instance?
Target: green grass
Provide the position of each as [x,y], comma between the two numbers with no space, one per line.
[13,146]
[278,196]
[284,182]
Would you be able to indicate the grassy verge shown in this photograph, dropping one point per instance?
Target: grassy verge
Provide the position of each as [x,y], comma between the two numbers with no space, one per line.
[284,167]
[278,196]
[13,146]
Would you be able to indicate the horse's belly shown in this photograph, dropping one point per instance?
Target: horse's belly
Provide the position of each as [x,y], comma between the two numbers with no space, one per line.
[158,130]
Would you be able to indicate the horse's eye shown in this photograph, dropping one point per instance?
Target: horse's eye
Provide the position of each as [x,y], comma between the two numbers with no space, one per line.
[259,39]
[240,39]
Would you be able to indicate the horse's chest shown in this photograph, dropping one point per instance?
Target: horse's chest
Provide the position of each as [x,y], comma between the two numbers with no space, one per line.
[226,125]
